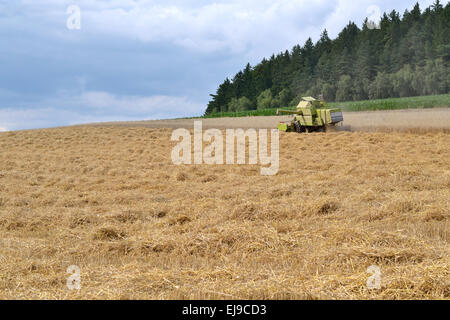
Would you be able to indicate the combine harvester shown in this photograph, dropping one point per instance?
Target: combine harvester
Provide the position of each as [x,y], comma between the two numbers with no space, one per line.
[312,115]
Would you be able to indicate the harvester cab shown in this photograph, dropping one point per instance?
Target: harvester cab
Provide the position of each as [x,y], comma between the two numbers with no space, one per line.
[311,115]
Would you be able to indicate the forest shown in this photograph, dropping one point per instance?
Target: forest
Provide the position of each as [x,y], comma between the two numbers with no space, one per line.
[402,56]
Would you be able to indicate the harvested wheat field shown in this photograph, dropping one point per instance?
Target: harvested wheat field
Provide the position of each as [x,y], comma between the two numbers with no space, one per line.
[406,120]
[109,200]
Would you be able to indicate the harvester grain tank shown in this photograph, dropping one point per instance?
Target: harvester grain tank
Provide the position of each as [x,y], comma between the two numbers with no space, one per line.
[311,115]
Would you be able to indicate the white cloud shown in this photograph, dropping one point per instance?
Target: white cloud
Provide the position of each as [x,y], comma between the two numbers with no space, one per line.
[95,106]
[3,129]
[153,106]
[236,26]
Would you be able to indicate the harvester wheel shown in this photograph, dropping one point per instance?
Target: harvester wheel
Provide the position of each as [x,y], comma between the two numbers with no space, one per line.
[298,127]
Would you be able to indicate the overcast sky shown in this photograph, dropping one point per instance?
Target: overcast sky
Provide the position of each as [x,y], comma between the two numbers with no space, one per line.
[146,59]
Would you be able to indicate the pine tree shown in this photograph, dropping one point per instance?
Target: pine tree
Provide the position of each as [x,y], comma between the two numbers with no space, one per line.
[344,89]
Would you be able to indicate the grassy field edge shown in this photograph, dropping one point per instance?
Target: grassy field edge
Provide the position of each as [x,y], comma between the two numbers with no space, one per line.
[422,102]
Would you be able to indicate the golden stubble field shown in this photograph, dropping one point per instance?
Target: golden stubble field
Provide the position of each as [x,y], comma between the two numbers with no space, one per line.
[109,200]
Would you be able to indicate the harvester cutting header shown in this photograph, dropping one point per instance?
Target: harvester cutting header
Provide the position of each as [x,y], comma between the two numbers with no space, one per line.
[312,115]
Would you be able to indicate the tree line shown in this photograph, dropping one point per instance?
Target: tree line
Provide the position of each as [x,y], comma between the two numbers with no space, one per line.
[402,56]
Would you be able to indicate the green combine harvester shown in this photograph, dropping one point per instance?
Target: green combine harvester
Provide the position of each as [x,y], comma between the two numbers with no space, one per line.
[312,115]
